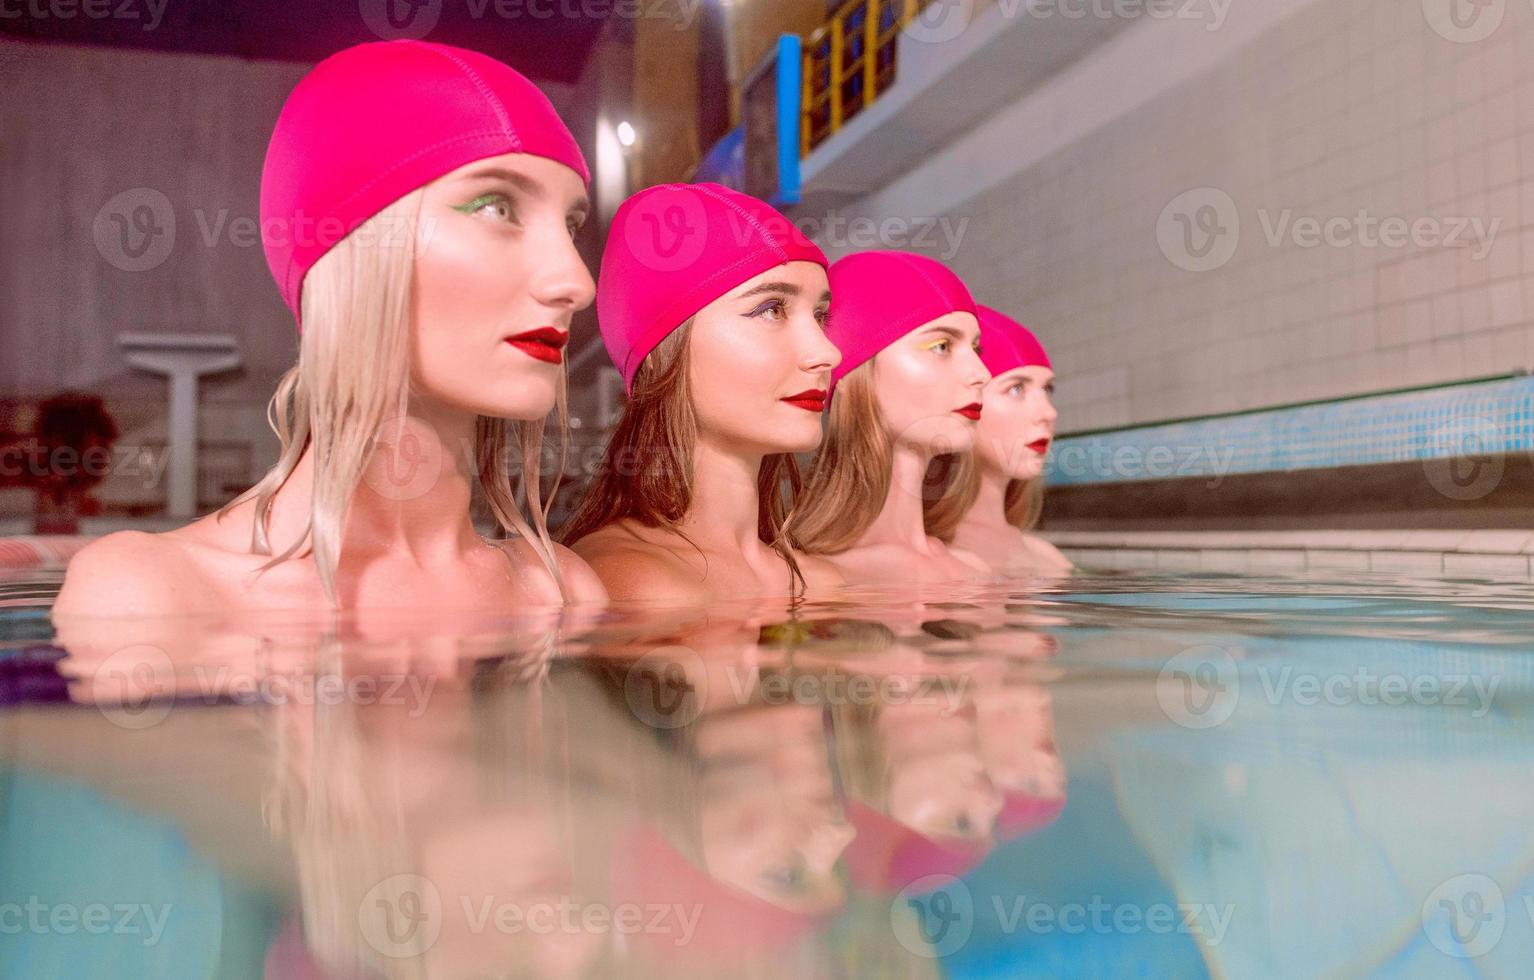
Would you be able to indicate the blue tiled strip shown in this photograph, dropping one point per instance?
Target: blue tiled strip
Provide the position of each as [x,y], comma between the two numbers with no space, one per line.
[1469,420]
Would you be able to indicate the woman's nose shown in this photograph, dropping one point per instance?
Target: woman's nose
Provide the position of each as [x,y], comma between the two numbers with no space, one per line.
[820,354]
[976,374]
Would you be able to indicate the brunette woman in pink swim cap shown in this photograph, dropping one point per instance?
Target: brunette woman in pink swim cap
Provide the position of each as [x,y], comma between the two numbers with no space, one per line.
[418,204]
[712,306]
[907,390]
[994,500]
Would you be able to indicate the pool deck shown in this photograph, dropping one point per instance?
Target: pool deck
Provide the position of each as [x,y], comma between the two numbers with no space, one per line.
[1474,553]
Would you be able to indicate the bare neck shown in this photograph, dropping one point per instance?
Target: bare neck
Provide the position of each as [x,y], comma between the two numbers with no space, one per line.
[989,510]
[726,502]
[413,499]
[901,521]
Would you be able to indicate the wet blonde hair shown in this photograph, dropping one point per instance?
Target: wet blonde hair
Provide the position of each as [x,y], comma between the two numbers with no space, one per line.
[353,376]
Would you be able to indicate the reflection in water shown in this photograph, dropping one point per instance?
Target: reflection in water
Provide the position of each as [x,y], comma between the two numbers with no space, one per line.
[418,829]
[875,786]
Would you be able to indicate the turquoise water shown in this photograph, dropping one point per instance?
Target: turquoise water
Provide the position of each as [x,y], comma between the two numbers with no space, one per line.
[1112,775]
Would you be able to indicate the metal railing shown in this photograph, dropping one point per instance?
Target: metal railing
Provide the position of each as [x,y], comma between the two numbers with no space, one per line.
[849,62]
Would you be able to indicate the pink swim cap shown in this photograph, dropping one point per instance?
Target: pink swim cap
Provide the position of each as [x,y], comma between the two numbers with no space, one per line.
[372,123]
[675,248]
[886,856]
[1023,813]
[1006,344]
[879,297]
[646,870]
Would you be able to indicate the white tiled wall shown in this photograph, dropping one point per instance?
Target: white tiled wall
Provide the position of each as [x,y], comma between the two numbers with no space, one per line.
[1343,106]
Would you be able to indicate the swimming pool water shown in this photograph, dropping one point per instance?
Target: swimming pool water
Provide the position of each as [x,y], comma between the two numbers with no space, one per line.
[1109,775]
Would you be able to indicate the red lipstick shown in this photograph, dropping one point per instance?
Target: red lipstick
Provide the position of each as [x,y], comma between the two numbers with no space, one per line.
[545,344]
[811,400]
[970,411]
[1039,446]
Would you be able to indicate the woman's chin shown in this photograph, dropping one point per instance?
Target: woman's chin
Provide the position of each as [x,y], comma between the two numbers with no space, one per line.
[1031,470]
[529,404]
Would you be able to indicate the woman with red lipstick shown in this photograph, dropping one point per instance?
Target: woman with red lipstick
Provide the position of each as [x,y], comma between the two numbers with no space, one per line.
[908,389]
[712,305]
[995,500]
[418,204]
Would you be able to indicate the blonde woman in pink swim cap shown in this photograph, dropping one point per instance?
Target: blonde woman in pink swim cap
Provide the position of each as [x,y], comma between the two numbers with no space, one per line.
[418,204]
[907,390]
[712,306]
[996,497]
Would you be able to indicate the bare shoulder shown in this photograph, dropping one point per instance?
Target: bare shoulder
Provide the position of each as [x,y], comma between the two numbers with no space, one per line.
[634,568]
[581,583]
[870,564]
[969,558]
[1044,554]
[819,571]
[132,573]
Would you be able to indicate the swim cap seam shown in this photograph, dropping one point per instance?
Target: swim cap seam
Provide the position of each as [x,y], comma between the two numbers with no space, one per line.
[750,218]
[478,81]
[936,289]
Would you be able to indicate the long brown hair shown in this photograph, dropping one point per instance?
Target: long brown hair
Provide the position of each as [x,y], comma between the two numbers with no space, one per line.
[958,475]
[851,479]
[646,472]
